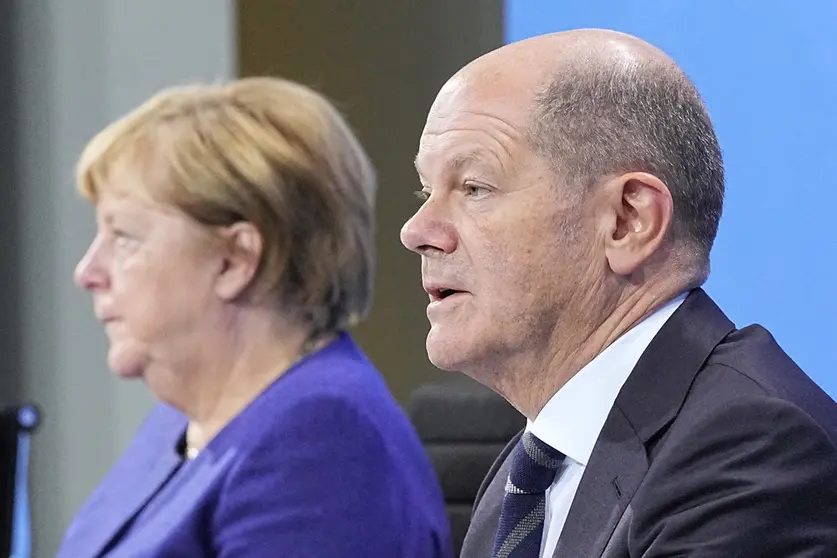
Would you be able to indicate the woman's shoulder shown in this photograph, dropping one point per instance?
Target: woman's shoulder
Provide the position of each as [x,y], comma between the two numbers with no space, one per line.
[338,375]
[327,439]
[335,395]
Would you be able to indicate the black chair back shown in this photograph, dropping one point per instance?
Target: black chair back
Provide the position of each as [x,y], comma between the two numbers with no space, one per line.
[463,426]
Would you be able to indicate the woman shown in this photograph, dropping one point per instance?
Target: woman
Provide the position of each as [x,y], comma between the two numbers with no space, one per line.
[235,245]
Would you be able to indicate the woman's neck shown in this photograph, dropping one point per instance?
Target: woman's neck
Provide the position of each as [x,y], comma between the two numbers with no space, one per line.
[228,385]
[219,406]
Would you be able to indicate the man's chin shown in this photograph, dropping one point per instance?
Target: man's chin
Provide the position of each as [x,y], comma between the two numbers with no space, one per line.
[444,365]
[445,352]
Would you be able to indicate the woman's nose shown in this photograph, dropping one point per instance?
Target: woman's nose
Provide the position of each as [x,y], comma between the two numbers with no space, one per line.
[90,274]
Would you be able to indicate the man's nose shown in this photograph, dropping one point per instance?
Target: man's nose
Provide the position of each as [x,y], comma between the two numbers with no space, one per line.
[428,231]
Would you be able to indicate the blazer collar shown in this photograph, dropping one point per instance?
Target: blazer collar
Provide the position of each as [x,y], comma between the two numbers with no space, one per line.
[147,463]
[657,387]
[151,459]
[649,400]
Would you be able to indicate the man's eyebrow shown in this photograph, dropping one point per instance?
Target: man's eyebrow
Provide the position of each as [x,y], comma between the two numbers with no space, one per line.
[458,161]
[464,159]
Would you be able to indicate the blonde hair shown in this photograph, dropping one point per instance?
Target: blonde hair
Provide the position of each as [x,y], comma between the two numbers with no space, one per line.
[270,152]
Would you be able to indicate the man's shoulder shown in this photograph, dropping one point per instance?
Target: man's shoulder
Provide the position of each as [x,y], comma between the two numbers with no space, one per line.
[748,397]
[750,391]
[745,465]
[750,367]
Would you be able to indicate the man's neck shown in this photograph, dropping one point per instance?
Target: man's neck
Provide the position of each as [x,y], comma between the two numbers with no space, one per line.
[541,375]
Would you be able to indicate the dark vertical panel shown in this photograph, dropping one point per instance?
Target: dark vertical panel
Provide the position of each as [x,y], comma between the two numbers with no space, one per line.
[10,380]
[382,62]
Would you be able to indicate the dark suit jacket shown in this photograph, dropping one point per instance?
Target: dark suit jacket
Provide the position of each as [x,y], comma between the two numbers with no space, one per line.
[717,445]
[323,463]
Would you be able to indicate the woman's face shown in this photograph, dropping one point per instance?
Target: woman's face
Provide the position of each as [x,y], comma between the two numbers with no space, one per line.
[152,273]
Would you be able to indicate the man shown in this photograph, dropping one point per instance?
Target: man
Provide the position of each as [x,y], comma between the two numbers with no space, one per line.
[573,186]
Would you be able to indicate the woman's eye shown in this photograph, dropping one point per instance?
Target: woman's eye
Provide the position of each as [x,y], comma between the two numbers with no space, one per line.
[422,194]
[122,238]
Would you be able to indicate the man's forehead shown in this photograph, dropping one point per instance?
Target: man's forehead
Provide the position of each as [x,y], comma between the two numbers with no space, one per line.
[453,159]
[471,135]
[476,94]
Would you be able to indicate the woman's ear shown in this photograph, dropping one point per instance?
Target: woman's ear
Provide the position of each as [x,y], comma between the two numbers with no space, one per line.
[641,210]
[242,255]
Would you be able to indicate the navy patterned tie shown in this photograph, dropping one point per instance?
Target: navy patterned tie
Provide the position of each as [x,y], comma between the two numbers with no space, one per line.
[533,469]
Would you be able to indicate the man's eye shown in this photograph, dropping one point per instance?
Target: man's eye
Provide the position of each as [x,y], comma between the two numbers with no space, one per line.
[475,190]
[422,194]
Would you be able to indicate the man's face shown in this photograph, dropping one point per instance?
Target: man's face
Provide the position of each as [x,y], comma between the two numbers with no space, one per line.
[500,241]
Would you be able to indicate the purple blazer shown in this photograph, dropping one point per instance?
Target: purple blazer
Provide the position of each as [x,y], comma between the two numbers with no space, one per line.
[322,464]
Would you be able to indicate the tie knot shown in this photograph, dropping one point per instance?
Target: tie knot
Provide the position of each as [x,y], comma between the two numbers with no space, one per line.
[533,466]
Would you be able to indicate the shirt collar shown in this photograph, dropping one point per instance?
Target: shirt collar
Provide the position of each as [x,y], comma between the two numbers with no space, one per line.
[573,418]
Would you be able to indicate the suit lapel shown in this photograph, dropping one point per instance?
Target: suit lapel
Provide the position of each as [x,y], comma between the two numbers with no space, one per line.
[616,468]
[648,402]
[147,464]
[192,483]
[124,502]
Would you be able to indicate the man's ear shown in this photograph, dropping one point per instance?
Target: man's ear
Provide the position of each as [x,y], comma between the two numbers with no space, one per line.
[639,209]
[242,255]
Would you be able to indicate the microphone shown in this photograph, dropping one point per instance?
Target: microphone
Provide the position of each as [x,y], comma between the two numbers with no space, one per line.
[18,423]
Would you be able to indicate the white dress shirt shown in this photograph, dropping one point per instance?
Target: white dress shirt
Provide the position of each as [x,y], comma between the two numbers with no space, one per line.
[572,419]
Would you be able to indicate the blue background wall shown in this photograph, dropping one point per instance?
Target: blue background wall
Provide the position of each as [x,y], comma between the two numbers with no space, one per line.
[768,74]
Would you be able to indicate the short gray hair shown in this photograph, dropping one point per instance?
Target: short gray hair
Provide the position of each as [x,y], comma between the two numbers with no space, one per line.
[599,119]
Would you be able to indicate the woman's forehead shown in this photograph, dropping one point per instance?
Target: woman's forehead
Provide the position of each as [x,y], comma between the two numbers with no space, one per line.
[114,205]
